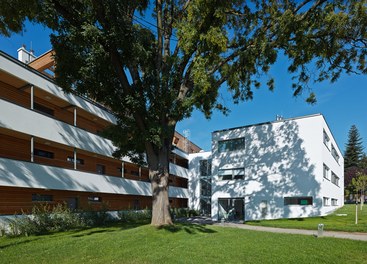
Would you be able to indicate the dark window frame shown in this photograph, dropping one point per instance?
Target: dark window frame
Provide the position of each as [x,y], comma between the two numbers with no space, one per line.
[78,161]
[234,144]
[36,197]
[100,169]
[298,200]
[43,153]
[95,199]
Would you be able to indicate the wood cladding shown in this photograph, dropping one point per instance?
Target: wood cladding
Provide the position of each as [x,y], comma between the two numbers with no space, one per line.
[12,94]
[15,148]
[14,200]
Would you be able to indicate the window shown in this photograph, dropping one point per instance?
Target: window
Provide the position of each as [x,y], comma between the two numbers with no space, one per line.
[43,109]
[231,174]
[302,200]
[334,202]
[326,172]
[95,199]
[334,153]
[326,139]
[206,187]
[78,161]
[205,167]
[136,204]
[101,169]
[42,198]
[326,201]
[231,145]
[334,179]
[43,153]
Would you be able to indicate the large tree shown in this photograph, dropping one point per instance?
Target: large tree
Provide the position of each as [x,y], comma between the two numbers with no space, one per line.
[353,149]
[153,62]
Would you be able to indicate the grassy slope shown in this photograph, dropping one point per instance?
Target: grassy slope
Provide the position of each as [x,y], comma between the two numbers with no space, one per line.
[181,244]
[331,222]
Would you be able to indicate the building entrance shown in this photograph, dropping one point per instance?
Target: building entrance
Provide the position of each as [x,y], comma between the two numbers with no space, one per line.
[231,209]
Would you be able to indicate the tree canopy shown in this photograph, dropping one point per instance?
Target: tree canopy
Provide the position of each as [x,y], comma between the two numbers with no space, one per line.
[153,62]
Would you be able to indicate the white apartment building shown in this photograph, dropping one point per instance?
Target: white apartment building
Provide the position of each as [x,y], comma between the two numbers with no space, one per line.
[288,168]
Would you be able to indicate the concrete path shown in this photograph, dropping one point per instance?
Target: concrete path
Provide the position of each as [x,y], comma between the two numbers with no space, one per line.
[336,234]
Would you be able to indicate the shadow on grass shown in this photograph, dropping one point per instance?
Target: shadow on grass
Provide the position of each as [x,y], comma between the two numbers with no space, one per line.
[109,228]
[188,228]
[16,243]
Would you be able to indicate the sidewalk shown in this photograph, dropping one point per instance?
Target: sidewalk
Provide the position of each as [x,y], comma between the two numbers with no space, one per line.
[336,234]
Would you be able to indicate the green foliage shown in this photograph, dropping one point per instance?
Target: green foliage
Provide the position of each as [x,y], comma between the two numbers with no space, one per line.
[134,216]
[96,217]
[45,219]
[184,212]
[353,149]
[360,182]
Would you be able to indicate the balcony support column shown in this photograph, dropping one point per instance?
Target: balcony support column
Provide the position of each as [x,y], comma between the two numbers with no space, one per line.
[32,97]
[32,149]
[74,116]
[74,158]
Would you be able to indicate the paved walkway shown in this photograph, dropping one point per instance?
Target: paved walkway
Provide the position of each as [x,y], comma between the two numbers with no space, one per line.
[336,234]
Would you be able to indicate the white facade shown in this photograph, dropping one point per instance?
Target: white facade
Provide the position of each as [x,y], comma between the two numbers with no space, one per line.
[273,170]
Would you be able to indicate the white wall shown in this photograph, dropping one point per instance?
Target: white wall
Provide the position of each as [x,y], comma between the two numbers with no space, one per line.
[281,159]
[30,175]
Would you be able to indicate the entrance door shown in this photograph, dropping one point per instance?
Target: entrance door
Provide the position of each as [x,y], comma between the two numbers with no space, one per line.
[231,209]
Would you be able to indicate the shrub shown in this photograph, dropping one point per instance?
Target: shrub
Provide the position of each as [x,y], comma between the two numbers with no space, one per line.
[94,217]
[134,215]
[44,219]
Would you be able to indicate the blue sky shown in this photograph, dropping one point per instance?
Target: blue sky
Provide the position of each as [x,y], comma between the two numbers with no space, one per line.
[342,103]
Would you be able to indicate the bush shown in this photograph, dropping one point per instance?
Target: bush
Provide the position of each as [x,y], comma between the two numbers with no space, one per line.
[45,219]
[134,215]
[93,217]
[183,212]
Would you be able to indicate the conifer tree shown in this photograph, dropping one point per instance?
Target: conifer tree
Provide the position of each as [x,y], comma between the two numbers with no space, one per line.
[354,149]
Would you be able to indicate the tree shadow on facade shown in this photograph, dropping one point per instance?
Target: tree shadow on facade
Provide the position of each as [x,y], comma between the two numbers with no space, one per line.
[276,165]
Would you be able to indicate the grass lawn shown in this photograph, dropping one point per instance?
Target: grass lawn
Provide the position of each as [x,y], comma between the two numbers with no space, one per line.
[331,222]
[179,244]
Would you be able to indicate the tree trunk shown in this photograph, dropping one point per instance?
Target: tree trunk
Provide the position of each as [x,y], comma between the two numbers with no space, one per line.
[159,174]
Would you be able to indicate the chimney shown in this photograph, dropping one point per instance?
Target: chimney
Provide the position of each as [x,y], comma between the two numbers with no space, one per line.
[24,55]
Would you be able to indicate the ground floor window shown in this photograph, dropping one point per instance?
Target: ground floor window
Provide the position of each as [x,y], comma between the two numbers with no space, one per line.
[42,198]
[301,200]
[334,202]
[326,201]
[96,199]
[231,209]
